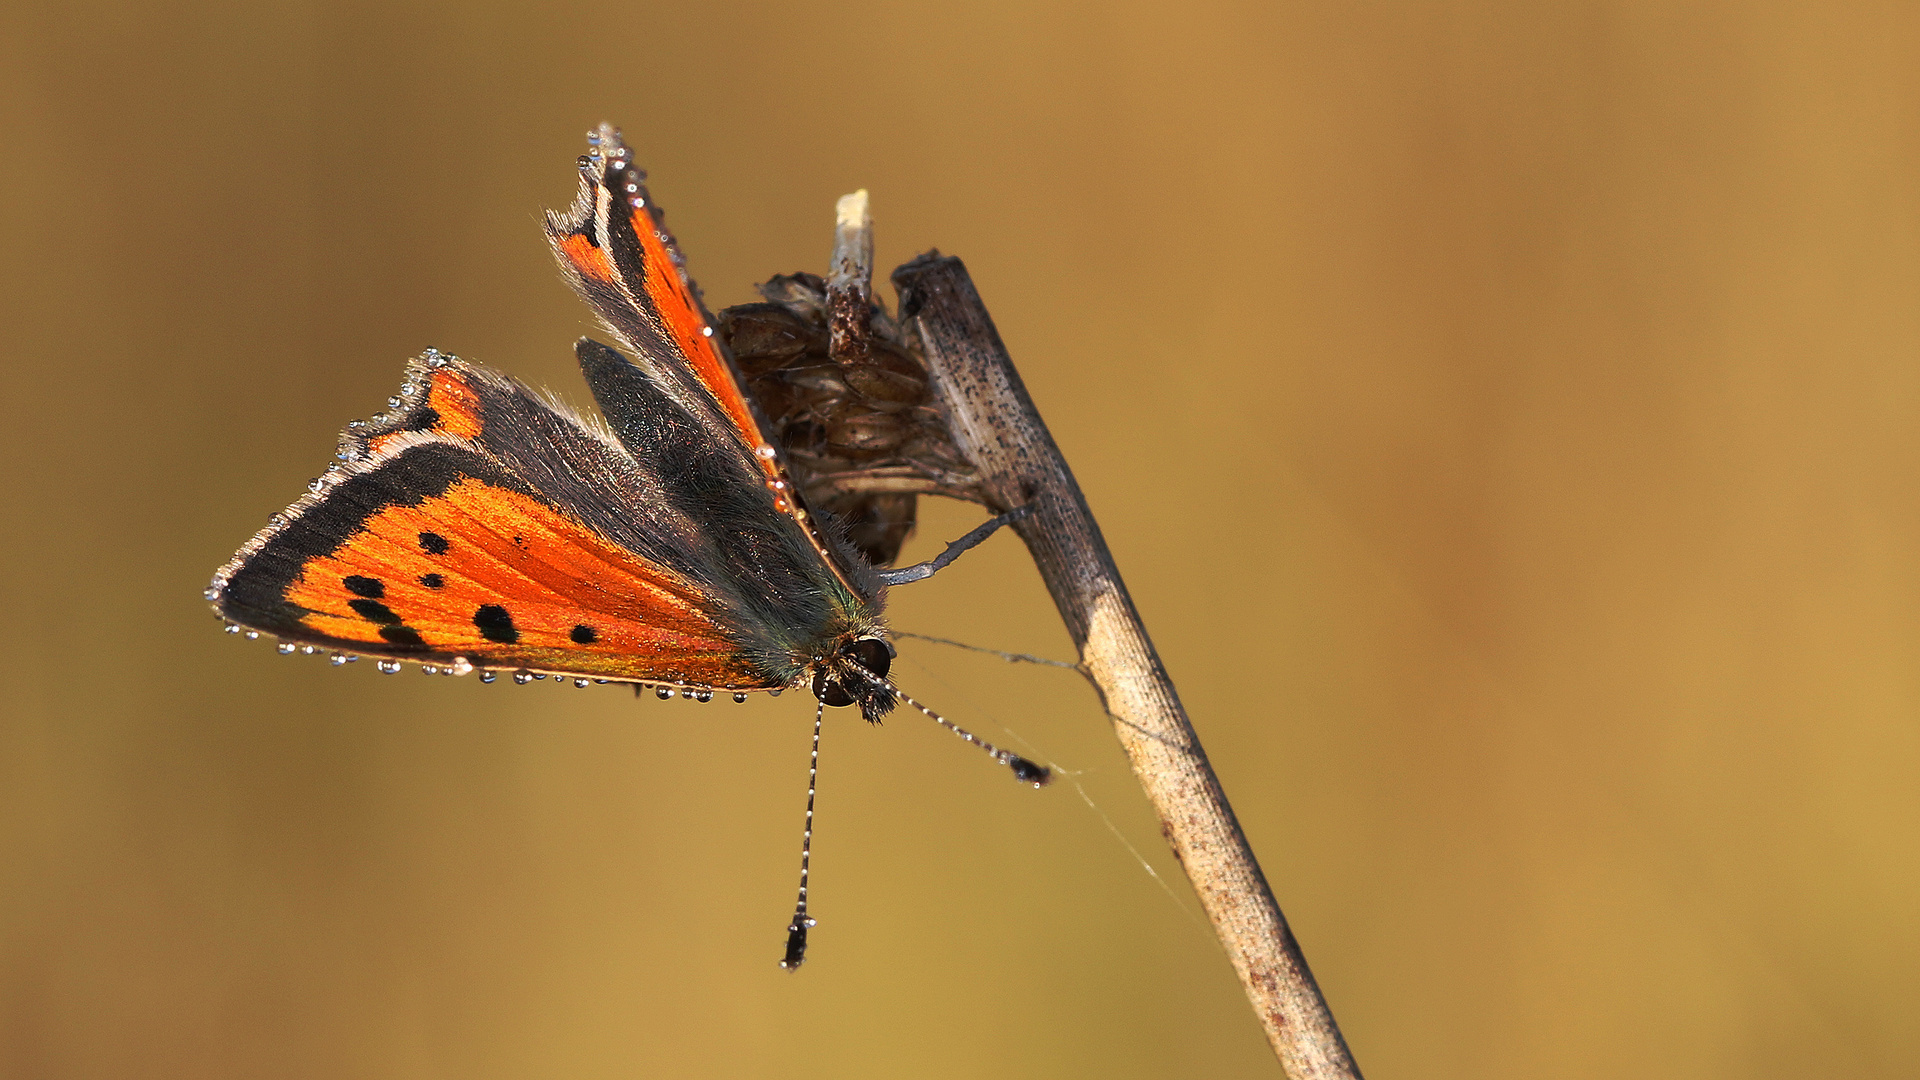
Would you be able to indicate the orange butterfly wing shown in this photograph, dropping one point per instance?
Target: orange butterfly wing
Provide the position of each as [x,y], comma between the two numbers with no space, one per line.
[426,546]
[505,581]
[626,264]
[671,548]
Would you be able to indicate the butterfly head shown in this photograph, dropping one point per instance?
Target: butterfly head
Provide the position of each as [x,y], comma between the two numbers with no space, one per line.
[856,673]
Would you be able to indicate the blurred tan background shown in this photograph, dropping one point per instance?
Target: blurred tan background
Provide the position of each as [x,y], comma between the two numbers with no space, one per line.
[1503,413]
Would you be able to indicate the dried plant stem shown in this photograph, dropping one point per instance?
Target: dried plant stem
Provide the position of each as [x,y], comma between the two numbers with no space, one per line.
[997,428]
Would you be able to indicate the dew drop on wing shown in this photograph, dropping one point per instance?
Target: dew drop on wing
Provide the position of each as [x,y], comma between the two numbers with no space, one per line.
[522,678]
[488,676]
[285,648]
[388,667]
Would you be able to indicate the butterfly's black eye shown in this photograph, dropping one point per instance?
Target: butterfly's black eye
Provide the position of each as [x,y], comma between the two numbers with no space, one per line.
[870,653]
[830,692]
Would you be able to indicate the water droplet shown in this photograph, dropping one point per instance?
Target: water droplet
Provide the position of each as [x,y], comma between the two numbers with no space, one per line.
[233,628]
[253,635]
[583,683]
[539,675]
[316,484]
[776,691]
[522,678]
[461,665]
[212,593]
[388,667]
[663,693]
[703,696]
[309,650]
[340,659]
[429,669]
[740,699]
[489,676]
[285,648]
[706,331]
[394,402]
[434,359]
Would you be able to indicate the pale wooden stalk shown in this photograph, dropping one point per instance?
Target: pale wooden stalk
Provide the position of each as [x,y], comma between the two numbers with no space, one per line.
[996,427]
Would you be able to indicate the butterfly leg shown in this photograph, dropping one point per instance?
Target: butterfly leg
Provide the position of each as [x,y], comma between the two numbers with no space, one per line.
[922,571]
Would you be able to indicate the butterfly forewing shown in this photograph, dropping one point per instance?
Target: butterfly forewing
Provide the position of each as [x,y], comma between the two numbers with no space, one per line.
[475,522]
[480,522]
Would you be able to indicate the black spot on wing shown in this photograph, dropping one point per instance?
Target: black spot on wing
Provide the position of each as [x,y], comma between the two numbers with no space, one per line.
[374,611]
[496,624]
[371,588]
[422,419]
[433,543]
[401,635]
[584,635]
[255,594]
[432,581]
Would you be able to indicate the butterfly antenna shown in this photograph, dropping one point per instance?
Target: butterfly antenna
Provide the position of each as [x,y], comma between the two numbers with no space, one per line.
[797,930]
[1025,771]
[1009,657]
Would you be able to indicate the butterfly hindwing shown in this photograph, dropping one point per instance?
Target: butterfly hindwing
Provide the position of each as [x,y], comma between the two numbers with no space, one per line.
[620,257]
[624,262]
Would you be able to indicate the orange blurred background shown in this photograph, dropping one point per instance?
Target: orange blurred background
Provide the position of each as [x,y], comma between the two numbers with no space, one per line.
[1503,414]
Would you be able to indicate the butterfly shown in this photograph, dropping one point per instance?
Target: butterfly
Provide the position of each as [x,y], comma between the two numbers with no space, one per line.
[480,525]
